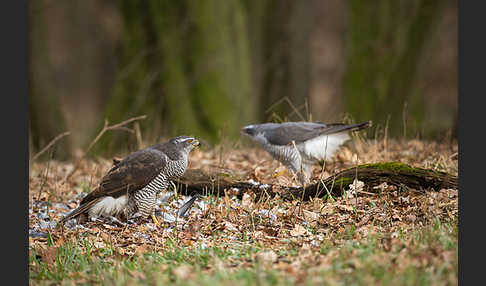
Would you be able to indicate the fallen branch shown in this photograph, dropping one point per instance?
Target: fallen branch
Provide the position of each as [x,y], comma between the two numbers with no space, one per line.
[53,141]
[118,126]
[196,181]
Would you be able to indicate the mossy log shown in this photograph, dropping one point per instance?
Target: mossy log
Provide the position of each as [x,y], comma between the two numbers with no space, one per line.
[196,181]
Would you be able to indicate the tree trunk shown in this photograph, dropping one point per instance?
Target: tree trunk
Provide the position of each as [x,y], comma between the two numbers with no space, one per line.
[386,41]
[280,33]
[186,65]
[46,120]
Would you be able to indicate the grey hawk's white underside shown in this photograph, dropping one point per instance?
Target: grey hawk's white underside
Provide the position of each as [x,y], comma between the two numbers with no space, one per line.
[300,144]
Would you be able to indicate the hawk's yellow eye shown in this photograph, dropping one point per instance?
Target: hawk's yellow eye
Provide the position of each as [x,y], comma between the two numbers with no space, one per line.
[191,140]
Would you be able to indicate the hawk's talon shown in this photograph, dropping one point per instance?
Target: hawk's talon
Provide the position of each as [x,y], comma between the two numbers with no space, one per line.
[154,219]
[278,173]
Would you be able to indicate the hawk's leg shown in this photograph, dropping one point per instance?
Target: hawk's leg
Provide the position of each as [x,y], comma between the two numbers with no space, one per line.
[152,210]
[303,172]
[303,178]
[148,208]
[144,201]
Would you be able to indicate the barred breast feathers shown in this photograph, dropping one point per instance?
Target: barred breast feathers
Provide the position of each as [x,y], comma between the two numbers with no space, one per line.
[158,183]
[176,168]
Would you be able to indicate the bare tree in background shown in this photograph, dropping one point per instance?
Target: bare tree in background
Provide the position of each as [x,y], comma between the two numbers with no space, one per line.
[185,64]
[280,44]
[205,68]
[46,120]
[386,42]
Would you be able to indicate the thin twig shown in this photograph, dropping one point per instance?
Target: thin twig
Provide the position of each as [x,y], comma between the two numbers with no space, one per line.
[286,98]
[45,177]
[57,138]
[302,173]
[385,137]
[254,168]
[404,119]
[105,128]
[364,192]
[112,127]
[138,133]
[325,158]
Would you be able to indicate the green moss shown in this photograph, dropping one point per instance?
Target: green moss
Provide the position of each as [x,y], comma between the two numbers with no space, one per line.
[343,181]
[390,166]
[399,167]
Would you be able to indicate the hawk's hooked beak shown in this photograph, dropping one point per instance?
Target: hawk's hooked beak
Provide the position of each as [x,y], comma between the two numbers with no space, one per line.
[247,130]
[196,143]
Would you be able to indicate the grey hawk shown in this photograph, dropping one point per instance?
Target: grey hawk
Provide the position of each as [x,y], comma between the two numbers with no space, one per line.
[132,185]
[314,141]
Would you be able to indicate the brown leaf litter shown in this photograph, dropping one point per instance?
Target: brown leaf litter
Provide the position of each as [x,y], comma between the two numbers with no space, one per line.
[274,223]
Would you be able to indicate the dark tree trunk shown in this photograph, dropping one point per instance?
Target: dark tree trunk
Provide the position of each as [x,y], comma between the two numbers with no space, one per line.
[46,120]
[279,33]
[186,65]
[385,44]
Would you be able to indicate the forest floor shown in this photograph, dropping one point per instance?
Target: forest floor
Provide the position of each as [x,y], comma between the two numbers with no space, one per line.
[396,236]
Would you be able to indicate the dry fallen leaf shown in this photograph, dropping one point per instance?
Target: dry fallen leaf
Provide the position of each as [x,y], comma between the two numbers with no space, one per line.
[259,173]
[310,216]
[60,241]
[121,250]
[345,155]
[270,231]
[137,275]
[141,249]
[345,208]
[411,218]
[396,217]
[49,255]
[274,222]
[267,257]
[247,201]
[356,186]
[298,230]
[230,226]
[183,271]
[105,237]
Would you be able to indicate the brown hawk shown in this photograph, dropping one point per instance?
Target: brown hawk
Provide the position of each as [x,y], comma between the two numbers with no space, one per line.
[132,185]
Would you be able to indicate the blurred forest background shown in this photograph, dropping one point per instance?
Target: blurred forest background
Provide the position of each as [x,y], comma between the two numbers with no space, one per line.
[205,68]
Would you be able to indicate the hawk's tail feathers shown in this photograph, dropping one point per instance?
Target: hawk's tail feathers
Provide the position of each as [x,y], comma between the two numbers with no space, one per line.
[80,210]
[362,125]
[358,126]
[340,127]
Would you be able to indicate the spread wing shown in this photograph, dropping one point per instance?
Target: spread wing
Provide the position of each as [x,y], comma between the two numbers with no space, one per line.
[303,131]
[130,174]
